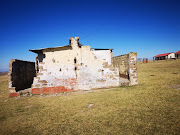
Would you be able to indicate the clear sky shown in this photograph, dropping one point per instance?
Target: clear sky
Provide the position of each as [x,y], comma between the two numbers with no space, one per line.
[148,27]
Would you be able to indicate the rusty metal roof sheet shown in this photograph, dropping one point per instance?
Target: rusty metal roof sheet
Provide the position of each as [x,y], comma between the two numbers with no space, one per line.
[41,49]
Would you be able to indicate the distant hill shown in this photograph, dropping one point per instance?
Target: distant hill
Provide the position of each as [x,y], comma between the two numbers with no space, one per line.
[3,73]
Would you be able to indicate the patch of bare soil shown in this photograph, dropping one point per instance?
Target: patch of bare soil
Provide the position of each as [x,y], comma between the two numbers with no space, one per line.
[28,106]
[175,86]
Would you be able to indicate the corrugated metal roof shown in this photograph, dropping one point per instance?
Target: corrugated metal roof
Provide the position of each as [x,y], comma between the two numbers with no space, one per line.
[40,49]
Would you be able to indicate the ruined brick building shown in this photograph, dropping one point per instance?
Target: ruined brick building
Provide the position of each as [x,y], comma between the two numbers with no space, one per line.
[70,68]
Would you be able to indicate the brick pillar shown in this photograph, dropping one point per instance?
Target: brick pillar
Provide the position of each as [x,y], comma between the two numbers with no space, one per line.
[133,77]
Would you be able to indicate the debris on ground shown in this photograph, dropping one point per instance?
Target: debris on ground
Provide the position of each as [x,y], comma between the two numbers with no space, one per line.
[28,106]
[90,105]
[176,86]
[6,100]
[175,73]
[25,95]
[17,98]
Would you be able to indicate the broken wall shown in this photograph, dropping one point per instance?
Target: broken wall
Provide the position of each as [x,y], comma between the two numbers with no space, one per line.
[122,63]
[133,76]
[127,65]
[21,74]
[76,68]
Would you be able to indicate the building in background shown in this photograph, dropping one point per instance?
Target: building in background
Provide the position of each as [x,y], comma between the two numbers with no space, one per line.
[165,56]
[177,55]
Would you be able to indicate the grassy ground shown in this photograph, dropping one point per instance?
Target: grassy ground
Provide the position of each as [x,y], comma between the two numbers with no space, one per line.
[152,107]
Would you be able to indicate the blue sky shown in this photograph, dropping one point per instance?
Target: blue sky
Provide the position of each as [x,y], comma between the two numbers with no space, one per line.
[148,27]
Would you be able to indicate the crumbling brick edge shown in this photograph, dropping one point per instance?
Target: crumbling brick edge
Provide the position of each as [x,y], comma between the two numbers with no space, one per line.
[133,76]
[12,90]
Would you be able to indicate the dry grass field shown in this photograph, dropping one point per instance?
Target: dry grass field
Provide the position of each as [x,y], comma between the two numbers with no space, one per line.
[152,107]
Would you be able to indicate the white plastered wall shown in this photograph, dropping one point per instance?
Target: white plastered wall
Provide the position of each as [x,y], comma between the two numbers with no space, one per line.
[90,69]
[172,55]
[103,54]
